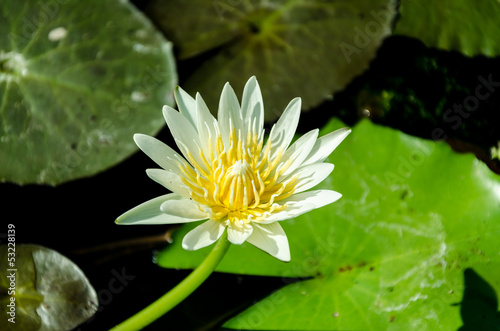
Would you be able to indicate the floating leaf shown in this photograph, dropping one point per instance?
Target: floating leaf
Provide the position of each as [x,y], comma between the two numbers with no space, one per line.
[460,25]
[391,253]
[296,48]
[77,80]
[50,292]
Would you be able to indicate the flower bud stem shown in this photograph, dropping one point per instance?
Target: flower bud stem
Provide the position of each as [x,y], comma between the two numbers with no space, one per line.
[172,298]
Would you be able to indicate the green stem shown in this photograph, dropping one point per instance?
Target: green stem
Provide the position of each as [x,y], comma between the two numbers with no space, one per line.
[178,293]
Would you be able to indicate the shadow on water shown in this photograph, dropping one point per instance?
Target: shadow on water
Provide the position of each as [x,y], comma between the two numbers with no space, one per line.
[479,304]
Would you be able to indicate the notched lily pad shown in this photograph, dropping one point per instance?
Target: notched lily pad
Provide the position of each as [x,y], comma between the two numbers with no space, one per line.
[391,253]
[300,48]
[50,292]
[77,80]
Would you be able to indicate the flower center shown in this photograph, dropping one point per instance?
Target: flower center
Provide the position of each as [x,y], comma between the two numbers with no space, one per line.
[237,189]
[238,182]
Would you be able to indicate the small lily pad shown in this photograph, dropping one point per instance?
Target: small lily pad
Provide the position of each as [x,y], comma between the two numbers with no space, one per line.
[50,292]
[300,48]
[77,80]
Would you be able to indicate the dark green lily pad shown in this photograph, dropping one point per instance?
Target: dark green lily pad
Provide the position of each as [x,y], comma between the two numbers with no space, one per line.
[300,48]
[77,80]
[390,253]
[460,25]
[50,292]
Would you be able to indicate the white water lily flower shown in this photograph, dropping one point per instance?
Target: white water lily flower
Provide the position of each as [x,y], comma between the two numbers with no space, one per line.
[230,177]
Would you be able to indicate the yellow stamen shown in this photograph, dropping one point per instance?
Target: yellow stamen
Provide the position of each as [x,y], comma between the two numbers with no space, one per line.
[238,183]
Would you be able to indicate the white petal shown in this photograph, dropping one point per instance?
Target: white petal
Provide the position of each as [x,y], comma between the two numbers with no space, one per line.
[271,239]
[229,114]
[299,150]
[301,203]
[170,181]
[326,144]
[203,235]
[160,153]
[149,212]
[282,132]
[184,133]
[185,208]
[186,105]
[252,106]
[310,175]
[208,128]
[237,235]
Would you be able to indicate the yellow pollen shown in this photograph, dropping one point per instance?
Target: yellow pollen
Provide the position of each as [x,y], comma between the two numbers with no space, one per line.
[238,183]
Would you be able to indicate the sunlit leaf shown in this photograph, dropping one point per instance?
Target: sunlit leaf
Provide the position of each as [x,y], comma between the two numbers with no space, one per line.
[300,48]
[50,292]
[460,25]
[77,80]
[391,253]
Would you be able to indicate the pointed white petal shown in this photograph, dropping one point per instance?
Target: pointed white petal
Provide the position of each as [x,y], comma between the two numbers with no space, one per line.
[184,133]
[183,207]
[160,153]
[304,202]
[186,105]
[229,114]
[208,128]
[325,145]
[282,132]
[252,106]
[237,235]
[271,239]
[299,150]
[149,212]
[310,175]
[203,235]
[169,180]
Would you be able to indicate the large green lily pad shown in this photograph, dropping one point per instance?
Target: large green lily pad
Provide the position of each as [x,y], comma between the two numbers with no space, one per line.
[391,253]
[306,48]
[460,25]
[77,80]
[42,290]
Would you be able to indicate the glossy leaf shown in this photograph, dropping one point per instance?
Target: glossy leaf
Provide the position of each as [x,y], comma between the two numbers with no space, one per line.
[295,48]
[391,253]
[77,80]
[459,25]
[50,292]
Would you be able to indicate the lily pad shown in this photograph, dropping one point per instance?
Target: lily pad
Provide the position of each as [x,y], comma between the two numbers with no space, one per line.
[50,292]
[296,48]
[77,79]
[460,25]
[391,253]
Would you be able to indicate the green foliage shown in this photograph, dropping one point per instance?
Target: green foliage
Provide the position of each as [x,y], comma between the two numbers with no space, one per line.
[75,84]
[455,25]
[391,253]
[296,48]
[50,292]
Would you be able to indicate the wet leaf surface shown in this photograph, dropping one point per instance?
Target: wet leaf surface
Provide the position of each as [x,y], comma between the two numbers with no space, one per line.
[75,84]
